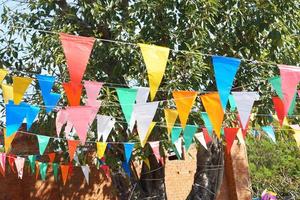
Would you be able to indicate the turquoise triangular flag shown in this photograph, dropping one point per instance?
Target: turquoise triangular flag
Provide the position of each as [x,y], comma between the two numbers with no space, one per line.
[43,142]
[128,147]
[225,69]
[55,170]
[232,103]
[175,133]
[126,167]
[43,170]
[127,98]
[15,115]
[188,135]
[270,131]
[207,123]
[32,159]
[31,115]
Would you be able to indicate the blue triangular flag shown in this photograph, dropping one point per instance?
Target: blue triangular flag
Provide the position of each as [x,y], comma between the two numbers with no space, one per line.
[15,115]
[225,69]
[126,167]
[50,101]
[175,133]
[43,142]
[128,147]
[270,131]
[127,98]
[207,123]
[46,83]
[188,135]
[31,115]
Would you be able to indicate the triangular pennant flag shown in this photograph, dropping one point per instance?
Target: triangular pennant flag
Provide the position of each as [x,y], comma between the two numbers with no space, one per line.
[207,137]
[70,170]
[32,159]
[31,115]
[55,170]
[244,102]
[104,126]
[201,139]
[77,51]
[3,73]
[184,101]
[178,147]
[8,140]
[297,138]
[105,168]
[175,133]
[147,162]
[230,134]
[188,134]
[73,93]
[61,119]
[207,123]
[155,149]
[142,94]
[94,106]
[64,172]
[155,58]
[92,89]
[279,108]
[11,162]
[51,157]
[126,167]
[270,132]
[127,98]
[225,69]
[43,142]
[51,101]
[170,116]
[15,114]
[101,147]
[213,107]
[3,161]
[72,144]
[232,103]
[8,92]
[145,139]
[79,116]
[20,85]
[290,77]
[19,162]
[86,171]
[128,147]
[46,83]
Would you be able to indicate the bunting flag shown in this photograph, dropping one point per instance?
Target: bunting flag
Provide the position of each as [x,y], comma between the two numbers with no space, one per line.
[207,122]
[73,92]
[31,115]
[127,98]
[188,135]
[55,171]
[43,142]
[8,92]
[232,103]
[147,163]
[296,134]
[244,102]
[270,132]
[104,126]
[279,108]
[77,51]
[155,58]
[92,89]
[86,171]
[8,140]
[37,172]
[3,73]
[20,85]
[155,149]
[79,116]
[72,144]
[225,69]
[230,134]
[207,137]
[64,172]
[3,161]
[142,95]
[175,133]
[51,157]
[105,168]
[144,139]
[32,159]
[201,139]
[94,106]
[126,167]
[170,116]
[51,101]
[15,114]
[101,147]
[144,114]
[184,101]
[178,148]
[128,147]
[19,162]
[290,77]
[60,120]
[213,107]
[11,162]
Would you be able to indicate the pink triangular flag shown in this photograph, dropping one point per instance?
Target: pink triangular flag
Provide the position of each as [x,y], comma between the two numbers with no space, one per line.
[3,161]
[61,119]
[19,161]
[155,148]
[92,89]
[94,105]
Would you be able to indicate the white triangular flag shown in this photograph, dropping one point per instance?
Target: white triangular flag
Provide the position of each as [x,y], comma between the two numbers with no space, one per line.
[86,171]
[201,139]
[104,126]
[19,162]
[178,146]
[244,102]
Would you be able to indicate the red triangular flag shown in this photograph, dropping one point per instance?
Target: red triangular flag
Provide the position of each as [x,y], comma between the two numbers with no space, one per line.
[230,134]
[64,172]
[73,93]
[51,157]
[206,135]
[11,161]
[72,144]
[77,51]
[279,108]
[105,168]
[70,170]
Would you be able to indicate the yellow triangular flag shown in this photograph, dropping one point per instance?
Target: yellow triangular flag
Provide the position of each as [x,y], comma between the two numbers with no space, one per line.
[20,85]
[155,58]
[8,141]
[213,107]
[184,101]
[3,73]
[146,161]
[7,91]
[143,142]
[297,138]
[171,116]
[101,147]
[285,120]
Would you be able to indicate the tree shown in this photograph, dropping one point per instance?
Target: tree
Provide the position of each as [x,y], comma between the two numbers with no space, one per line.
[255,30]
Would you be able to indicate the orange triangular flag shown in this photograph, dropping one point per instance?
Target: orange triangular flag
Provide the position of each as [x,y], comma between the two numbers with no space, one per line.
[213,107]
[8,140]
[73,93]
[72,144]
[184,101]
[64,172]
[51,157]
[171,116]
[20,85]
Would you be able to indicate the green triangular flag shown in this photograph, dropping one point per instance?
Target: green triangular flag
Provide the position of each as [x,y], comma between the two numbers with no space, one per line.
[32,159]
[127,98]
[232,103]
[188,135]
[175,133]
[43,142]
[43,170]
[55,170]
